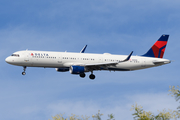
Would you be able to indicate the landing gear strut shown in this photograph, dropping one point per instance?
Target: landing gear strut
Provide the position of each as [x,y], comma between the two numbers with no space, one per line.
[23,73]
[92,76]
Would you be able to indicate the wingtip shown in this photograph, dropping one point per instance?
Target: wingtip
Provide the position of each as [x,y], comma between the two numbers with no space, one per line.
[84,48]
[129,56]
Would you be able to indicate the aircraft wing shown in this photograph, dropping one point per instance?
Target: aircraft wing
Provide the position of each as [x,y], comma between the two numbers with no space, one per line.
[109,63]
[97,66]
[101,64]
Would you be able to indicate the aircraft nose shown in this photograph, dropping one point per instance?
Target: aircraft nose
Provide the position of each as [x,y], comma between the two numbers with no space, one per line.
[8,60]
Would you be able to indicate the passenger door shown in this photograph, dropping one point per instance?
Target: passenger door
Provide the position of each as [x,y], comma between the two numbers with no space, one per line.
[26,56]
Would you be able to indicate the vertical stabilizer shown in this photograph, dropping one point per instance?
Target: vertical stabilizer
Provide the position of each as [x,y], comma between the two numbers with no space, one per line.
[158,49]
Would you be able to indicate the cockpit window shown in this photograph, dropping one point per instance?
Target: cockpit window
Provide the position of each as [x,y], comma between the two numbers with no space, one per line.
[17,55]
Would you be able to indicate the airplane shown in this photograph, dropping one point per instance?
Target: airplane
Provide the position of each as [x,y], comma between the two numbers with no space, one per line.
[80,63]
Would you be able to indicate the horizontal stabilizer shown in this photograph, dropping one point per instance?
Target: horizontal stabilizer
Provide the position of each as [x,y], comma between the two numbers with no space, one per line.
[161,62]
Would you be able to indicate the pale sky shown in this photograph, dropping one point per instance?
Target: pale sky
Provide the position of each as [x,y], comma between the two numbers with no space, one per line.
[106,26]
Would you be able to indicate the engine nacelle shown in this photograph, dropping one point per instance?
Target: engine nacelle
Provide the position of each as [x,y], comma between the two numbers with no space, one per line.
[77,69]
[65,69]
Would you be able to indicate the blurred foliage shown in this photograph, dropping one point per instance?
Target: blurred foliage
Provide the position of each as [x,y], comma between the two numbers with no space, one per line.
[175,92]
[97,116]
[111,116]
[139,112]
[72,117]
[76,117]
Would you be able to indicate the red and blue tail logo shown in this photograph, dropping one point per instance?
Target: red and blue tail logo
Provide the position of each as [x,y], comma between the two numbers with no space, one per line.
[158,49]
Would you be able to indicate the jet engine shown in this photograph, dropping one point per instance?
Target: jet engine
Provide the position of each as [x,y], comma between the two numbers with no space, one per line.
[65,69]
[77,69]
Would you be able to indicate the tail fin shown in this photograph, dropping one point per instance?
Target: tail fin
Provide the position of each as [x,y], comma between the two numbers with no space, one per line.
[158,49]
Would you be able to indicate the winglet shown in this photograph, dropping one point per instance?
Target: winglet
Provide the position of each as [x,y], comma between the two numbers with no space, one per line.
[129,56]
[84,48]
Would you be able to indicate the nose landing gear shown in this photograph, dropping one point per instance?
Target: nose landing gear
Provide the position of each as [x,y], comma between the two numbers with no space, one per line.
[23,73]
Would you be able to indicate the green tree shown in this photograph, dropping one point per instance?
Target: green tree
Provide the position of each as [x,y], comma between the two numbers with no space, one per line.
[71,117]
[97,116]
[76,117]
[139,112]
[175,92]
[111,116]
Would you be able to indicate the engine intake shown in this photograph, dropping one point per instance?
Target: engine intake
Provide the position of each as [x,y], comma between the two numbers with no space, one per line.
[77,69]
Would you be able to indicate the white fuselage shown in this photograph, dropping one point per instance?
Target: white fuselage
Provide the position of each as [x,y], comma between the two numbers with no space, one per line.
[67,59]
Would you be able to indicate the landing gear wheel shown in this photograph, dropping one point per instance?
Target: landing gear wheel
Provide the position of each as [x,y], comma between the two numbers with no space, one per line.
[23,73]
[82,75]
[92,76]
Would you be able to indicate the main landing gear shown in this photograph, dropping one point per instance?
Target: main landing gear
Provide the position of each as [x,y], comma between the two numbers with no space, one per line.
[23,73]
[82,75]
[91,76]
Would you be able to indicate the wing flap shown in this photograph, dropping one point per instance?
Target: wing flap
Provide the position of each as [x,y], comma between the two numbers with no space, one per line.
[101,64]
